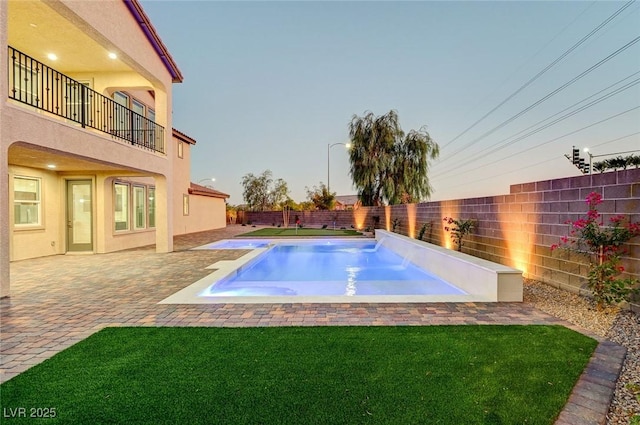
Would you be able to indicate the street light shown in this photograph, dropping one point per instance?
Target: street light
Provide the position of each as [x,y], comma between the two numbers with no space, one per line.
[347,145]
[211,179]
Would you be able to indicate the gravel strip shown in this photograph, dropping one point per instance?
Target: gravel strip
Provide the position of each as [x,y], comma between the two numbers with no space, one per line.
[621,327]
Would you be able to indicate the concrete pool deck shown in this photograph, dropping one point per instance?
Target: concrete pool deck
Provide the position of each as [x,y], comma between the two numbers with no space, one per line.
[57,301]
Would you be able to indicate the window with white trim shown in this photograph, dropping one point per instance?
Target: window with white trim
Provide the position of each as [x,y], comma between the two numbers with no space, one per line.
[185,204]
[122,119]
[26,81]
[139,208]
[27,201]
[152,207]
[138,121]
[121,206]
[151,131]
[134,206]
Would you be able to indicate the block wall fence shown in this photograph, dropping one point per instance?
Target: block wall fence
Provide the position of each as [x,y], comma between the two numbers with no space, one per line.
[516,230]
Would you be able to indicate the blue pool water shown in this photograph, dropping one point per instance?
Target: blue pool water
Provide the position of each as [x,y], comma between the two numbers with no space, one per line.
[330,268]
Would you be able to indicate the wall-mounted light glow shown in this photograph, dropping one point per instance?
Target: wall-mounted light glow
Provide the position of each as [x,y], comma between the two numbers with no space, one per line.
[52,166]
[112,55]
[52,56]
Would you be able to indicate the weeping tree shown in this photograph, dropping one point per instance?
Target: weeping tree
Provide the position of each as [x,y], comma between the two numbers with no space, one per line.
[387,165]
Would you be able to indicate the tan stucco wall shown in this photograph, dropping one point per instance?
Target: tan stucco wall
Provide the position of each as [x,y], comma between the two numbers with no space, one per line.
[36,129]
[205,213]
[181,183]
[48,237]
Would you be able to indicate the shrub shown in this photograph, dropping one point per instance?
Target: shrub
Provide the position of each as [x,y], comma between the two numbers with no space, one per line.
[423,230]
[603,246]
[459,228]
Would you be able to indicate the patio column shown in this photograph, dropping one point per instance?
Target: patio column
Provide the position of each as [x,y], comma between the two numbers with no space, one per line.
[164,214]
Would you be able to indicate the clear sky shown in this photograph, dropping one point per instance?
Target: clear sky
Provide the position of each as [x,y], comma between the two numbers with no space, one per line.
[268,85]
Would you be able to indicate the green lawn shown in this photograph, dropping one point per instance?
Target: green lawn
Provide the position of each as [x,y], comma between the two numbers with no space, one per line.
[288,231]
[307,375]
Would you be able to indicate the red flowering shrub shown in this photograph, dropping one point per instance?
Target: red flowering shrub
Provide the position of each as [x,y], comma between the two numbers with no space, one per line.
[604,247]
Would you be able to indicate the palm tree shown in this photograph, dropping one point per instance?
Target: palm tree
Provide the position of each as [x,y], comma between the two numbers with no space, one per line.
[617,162]
[386,165]
[600,166]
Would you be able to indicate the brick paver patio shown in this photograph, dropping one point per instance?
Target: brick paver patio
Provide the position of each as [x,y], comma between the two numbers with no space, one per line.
[60,300]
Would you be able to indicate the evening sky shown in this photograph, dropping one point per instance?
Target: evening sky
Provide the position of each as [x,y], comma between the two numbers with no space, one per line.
[268,85]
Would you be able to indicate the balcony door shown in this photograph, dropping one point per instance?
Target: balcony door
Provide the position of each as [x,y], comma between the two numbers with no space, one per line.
[79,216]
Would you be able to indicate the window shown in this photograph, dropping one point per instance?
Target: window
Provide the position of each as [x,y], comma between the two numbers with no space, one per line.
[151,131]
[78,101]
[138,122]
[139,208]
[134,206]
[121,215]
[185,204]
[152,207]
[26,198]
[180,149]
[25,81]
[121,119]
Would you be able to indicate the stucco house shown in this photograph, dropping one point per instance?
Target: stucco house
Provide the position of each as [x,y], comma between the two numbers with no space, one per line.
[347,202]
[89,159]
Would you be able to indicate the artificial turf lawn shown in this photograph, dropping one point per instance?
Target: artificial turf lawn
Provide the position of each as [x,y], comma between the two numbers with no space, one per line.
[307,375]
[286,231]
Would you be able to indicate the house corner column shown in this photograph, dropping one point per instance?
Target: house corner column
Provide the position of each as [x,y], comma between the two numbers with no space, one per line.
[5,232]
[164,211]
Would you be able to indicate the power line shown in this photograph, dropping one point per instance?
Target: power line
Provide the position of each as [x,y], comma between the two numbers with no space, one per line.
[522,66]
[614,140]
[549,95]
[538,163]
[476,155]
[539,74]
[467,170]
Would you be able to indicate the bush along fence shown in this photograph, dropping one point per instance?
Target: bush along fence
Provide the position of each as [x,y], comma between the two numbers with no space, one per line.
[517,229]
[603,246]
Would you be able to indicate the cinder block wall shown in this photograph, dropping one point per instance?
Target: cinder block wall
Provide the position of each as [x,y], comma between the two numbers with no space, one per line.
[515,229]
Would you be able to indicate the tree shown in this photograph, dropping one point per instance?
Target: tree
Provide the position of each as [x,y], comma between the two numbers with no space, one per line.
[261,193]
[388,166]
[321,197]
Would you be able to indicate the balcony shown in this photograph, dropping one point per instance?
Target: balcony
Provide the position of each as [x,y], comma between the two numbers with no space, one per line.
[37,85]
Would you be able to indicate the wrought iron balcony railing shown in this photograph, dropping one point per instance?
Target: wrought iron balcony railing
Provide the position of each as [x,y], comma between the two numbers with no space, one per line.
[35,84]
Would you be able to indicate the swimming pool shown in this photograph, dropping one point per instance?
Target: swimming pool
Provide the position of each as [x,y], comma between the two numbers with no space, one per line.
[326,268]
[442,275]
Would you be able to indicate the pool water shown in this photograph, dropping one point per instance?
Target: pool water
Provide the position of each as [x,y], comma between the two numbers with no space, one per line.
[329,268]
